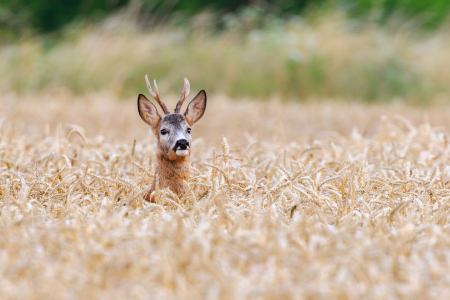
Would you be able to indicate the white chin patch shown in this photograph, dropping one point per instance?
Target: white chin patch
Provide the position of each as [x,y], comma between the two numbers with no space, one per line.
[180,152]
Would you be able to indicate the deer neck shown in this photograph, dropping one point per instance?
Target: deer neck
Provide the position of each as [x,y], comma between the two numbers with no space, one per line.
[173,173]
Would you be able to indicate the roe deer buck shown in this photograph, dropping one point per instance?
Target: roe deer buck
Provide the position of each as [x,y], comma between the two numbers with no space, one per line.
[173,132]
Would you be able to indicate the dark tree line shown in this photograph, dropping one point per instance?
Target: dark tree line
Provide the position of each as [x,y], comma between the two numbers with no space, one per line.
[51,15]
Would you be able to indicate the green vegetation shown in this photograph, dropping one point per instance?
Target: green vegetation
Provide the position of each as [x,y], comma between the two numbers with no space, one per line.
[278,50]
[50,15]
[324,59]
[428,13]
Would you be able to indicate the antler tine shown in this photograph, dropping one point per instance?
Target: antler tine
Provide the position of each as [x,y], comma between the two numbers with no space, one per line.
[184,94]
[156,96]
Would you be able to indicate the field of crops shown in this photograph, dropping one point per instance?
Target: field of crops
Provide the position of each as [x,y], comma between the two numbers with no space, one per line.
[299,201]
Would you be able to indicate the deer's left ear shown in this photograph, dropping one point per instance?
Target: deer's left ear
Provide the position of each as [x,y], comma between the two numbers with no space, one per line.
[196,108]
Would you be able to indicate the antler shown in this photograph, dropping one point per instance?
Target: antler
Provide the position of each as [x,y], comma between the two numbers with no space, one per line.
[156,95]
[184,94]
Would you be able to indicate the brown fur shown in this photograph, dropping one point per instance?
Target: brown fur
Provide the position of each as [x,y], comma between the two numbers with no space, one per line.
[172,169]
[171,174]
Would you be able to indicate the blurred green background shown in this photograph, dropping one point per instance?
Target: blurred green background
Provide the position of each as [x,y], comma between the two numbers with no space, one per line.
[362,50]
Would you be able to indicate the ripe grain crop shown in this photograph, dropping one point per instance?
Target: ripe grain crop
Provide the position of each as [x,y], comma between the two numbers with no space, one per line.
[312,201]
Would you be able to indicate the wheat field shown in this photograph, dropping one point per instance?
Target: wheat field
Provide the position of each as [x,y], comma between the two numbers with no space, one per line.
[320,200]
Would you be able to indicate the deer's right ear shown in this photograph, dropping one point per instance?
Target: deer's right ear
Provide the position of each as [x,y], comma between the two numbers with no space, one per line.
[148,113]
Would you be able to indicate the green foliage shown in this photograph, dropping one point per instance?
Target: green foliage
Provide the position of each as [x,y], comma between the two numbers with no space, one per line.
[226,63]
[255,54]
[50,15]
[275,6]
[428,13]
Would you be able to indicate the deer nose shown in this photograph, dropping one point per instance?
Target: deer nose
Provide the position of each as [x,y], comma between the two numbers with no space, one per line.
[182,144]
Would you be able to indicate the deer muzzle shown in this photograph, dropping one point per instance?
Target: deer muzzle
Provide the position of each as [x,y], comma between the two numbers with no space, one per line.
[181,147]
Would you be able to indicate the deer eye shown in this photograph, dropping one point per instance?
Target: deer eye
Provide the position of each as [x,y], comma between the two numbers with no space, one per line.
[164,132]
[188,130]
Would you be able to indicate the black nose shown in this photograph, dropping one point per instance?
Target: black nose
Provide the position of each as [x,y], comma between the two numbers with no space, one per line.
[182,144]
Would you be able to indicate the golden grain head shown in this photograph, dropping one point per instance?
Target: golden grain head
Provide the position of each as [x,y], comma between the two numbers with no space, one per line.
[298,201]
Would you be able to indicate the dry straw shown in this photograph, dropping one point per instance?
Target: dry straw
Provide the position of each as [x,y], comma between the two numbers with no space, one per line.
[343,215]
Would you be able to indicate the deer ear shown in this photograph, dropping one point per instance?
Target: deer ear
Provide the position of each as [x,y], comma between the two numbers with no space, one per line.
[196,108]
[148,113]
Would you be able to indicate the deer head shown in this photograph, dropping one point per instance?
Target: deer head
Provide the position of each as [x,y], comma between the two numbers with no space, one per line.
[173,131]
